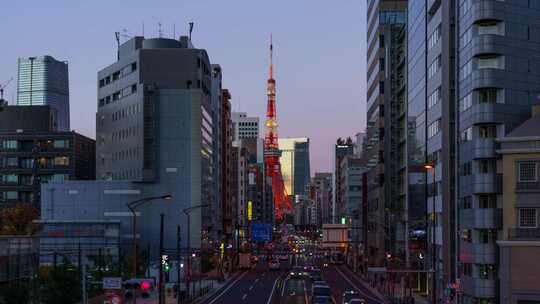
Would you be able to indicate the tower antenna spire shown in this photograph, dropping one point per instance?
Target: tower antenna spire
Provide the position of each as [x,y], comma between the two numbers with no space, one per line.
[271,73]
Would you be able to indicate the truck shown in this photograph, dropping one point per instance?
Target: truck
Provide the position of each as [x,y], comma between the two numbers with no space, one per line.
[244,261]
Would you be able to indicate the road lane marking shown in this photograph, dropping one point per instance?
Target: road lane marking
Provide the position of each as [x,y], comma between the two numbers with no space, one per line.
[251,287]
[272,292]
[305,292]
[356,287]
[257,280]
[283,288]
[228,287]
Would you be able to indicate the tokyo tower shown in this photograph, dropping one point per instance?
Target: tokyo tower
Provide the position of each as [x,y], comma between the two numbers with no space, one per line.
[282,202]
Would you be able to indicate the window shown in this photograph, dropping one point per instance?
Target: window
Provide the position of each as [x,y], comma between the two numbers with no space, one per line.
[9,144]
[381,41]
[434,128]
[465,38]
[434,98]
[101,83]
[490,27]
[466,70]
[466,135]
[435,37]
[11,162]
[527,171]
[12,195]
[381,87]
[466,169]
[490,61]
[61,144]
[467,202]
[381,64]
[486,201]
[466,102]
[133,89]
[487,236]
[466,235]
[527,218]
[487,131]
[467,269]
[489,95]
[134,67]
[116,96]
[434,67]
[115,76]
[487,166]
[61,161]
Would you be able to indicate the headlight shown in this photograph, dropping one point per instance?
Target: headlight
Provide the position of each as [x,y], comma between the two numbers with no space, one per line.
[292,273]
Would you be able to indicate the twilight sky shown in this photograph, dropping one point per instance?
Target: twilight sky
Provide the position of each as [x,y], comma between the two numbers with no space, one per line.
[319,54]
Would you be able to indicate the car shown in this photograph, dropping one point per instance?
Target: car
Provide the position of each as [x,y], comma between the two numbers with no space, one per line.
[325,265]
[357,301]
[320,290]
[350,295]
[322,300]
[273,265]
[297,273]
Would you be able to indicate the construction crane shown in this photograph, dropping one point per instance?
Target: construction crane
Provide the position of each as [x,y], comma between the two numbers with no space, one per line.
[3,86]
[3,102]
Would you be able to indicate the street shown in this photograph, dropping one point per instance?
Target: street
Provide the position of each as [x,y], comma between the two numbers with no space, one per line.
[262,286]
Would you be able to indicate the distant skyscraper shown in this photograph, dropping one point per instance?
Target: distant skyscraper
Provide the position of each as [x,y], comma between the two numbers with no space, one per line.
[295,166]
[342,148]
[244,126]
[44,81]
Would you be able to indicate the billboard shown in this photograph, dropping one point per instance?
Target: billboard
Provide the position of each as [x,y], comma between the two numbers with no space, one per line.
[261,232]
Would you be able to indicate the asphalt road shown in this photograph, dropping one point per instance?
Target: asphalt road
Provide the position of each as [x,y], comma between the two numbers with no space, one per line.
[261,286]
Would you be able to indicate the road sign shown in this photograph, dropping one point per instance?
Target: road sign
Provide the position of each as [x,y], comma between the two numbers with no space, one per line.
[112,283]
[261,232]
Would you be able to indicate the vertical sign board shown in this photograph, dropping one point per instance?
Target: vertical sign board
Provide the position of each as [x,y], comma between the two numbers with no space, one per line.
[261,232]
[250,210]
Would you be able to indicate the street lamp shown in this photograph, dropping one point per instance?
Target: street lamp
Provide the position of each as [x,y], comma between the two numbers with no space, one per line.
[431,168]
[187,212]
[132,206]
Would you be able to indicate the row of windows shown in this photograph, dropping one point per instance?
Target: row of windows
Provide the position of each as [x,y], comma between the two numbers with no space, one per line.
[434,67]
[116,96]
[127,174]
[484,271]
[484,166]
[131,153]
[125,133]
[484,131]
[249,123]
[434,98]
[128,69]
[434,37]
[434,128]
[485,201]
[484,61]
[126,112]
[28,163]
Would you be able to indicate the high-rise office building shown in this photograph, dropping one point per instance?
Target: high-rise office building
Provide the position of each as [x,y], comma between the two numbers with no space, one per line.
[44,81]
[342,148]
[295,164]
[470,82]
[154,131]
[385,148]
[322,182]
[244,126]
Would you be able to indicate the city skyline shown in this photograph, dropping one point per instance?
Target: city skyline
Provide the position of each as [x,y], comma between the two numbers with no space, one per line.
[305,84]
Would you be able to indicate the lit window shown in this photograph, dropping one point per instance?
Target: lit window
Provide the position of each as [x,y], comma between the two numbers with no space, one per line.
[490,27]
[434,67]
[527,171]
[527,218]
[491,61]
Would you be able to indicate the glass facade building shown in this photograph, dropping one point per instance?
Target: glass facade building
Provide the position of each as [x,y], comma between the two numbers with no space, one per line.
[44,81]
[295,166]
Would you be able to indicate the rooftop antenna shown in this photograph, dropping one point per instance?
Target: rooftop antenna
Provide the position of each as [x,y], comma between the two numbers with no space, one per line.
[190,29]
[143,28]
[160,32]
[174,31]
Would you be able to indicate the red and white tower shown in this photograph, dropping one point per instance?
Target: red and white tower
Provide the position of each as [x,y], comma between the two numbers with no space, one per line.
[282,202]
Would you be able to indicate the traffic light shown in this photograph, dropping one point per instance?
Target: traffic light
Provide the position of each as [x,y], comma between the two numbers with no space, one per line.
[165,263]
[137,287]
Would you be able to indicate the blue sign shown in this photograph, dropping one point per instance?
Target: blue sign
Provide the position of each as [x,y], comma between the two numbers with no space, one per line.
[261,232]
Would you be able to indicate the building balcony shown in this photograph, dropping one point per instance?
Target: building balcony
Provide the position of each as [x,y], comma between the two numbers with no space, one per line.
[481,183]
[484,148]
[478,253]
[524,234]
[528,187]
[479,288]
[480,218]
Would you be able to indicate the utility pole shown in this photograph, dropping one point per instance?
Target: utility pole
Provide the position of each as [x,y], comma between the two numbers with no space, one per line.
[161,229]
[178,239]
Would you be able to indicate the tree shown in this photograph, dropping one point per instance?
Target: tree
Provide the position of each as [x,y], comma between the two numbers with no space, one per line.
[17,220]
[60,285]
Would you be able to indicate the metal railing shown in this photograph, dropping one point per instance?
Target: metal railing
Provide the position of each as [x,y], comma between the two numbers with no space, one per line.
[524,234]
